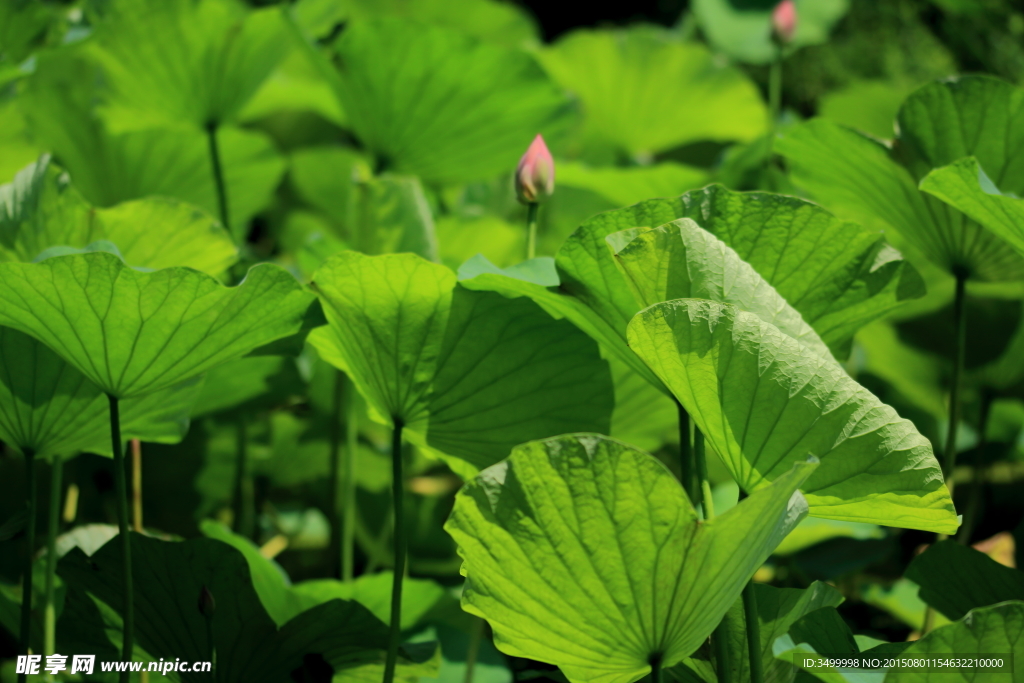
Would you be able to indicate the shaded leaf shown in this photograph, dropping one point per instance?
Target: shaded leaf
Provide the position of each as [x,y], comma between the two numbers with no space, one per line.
[764,403]
[583,552]
[955,579]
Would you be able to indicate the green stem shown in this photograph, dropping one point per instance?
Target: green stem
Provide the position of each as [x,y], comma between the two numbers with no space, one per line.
[125,533]
[334,475]
[50,613]
[30,543]
[475,636]
[700,459]
[531,229]
[959,348]
[774,102]
[348,484]
[963,534]
[753,633]
[687,473]
[398,500]
[218,175]
[656,671]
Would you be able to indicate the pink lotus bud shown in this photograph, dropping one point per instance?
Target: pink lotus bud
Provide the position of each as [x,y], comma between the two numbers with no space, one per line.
[535,175]
[207,606]
[784,21]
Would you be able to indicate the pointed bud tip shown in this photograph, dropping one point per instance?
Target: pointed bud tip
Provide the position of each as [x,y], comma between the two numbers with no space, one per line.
[207,605]
[535,174]
[784,21]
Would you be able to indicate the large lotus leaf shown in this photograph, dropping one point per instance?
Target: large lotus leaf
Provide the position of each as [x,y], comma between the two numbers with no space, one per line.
[743,29]
[109,168]
[838,275]
[986,632]
[644,90]
[978,116]
[44,210]
[180,61]
[679,260]
[135,333]
[855,177]
[955,579]
[764,403]
[965,186]
[474,372]
[50,408]
[627,185]
[584,552]
[249,645]
[436,103]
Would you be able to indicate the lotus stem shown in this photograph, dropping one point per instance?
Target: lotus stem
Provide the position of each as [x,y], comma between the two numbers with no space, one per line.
[701,462]
[218,175]
[30,542]
[348,484]
[136,485]
[398,499]
[753,633]
[334,476]
[687,467]
[244,524]
[531,229]
[656,671]
[959,350]
[963,534]
[125,533]
[50,610]
[475,636]
[774,102]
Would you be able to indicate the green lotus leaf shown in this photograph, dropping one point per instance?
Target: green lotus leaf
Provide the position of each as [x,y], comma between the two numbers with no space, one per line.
[44,211]
[628,185]
[583,552]
[743,30]
[439,104]
[51,409]
[248,643]
[644,90]
[986,632]
[178,61]
[764,403]
[111,167]
[955,579]
[822,631]
[858,178]
[136,333]
[473,373]
[965,186]
[679,260]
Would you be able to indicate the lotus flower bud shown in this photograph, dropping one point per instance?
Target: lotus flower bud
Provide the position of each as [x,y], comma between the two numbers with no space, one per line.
[207,606]
[535,175]
[784,21]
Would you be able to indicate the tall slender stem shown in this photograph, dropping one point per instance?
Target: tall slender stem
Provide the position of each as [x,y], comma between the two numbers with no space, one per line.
[125,533]
[531,229]
[30,544]
[244,524]
[959,351]
[53,528]
[348,484]
[687,471]
[701,462]
[753,633]
[774,102]
[136,485]
[218,175]
[656,670]
[475,636]
[398,500]
[333,476]
[963,534]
